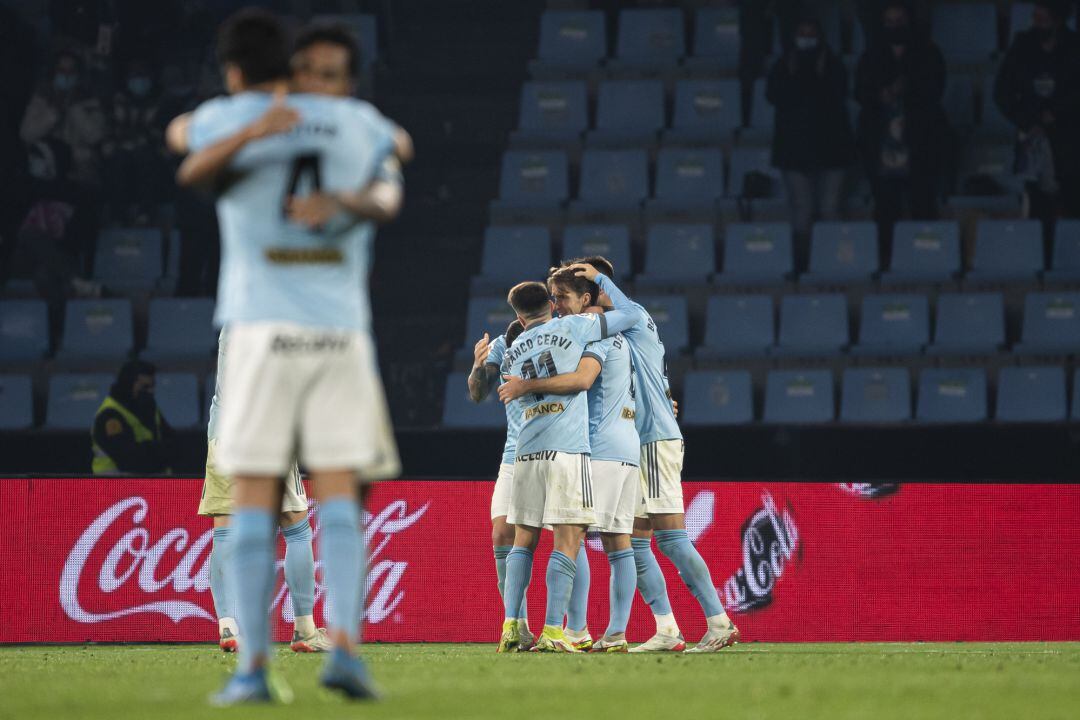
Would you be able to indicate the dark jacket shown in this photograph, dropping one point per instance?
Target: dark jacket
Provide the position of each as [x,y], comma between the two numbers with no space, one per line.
[115,436]
[1032,81]
[813,131]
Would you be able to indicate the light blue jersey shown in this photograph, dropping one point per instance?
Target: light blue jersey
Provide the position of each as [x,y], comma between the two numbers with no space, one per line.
[655,416]
[496,357]
[612,429]
[273,269]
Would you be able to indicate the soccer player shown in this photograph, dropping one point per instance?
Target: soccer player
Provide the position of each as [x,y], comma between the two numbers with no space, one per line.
[552,485]
[606,373]
[662,507]
[293,299]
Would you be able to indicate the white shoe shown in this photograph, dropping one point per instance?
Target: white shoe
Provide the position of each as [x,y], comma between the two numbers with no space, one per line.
[661,643]
[717,640]
[616,644]
[317,642]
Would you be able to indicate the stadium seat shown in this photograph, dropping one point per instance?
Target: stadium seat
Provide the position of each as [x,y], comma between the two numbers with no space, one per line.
[129,259]
[992,122]
[1075,414]
[534,178]
[74,400]
[552,114]
[650,38]
[96,329]
[762,116]
[679,253]
[571,41]
[364,30]
[16,402]
[951,395]
[875,395]
[514,253]
[1031,394]
[738,326]
[965,32]
[1066,262]
[842,252]
[893,325]
[747,160]
[610,241]
[799,396]
[629,113]
[672,319]
[706,111]
[488,315]
[969,324]
[461,412]
[924,252]
[178,399]
[986,176]
[1007,250]
[613,179]
[717,398]
[690,176]
[1051,324]
[180,328]
[812,325]
[716,38]
[757,253]
[24,330]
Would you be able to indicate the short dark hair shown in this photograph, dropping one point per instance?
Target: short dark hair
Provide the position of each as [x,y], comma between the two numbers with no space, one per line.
[255,41]
[529,299]
[331,34]
[599,262]
[565,277]
[514,329]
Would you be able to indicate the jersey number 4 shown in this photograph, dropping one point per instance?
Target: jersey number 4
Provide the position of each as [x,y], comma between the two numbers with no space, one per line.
[304,167]
[547,365]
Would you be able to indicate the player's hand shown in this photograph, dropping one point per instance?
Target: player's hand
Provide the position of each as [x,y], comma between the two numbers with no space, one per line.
[512,388]
[277,119]
[313,210]
[480,351]
[675,407]
[586,271]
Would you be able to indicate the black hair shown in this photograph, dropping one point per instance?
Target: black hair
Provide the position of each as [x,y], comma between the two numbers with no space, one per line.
[254,41]
[125,379]
[529,299]
[334,34]
[514,329]
[599,262]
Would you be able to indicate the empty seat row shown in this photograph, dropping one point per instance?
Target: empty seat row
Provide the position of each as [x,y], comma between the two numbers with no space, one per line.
[136,260]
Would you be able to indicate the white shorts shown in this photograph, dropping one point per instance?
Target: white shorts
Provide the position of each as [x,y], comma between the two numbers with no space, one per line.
[661,478]
[217,488]
[500,498]
[303,393]
[616,495]
[551,488]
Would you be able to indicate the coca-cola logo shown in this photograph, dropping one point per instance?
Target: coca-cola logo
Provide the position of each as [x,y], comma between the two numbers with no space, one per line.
[869,490]
[769,540]
[135,567]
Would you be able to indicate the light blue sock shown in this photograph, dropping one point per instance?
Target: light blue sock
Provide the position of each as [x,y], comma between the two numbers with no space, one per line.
[577,613]
[695,573]
[221,558]
[251,581]
[501,551]
[341,552]
[300,567]
[623,583]
[560,583]
[650,580]
[519,562]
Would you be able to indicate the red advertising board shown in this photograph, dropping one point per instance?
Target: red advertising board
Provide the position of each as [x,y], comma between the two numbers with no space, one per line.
[127,560]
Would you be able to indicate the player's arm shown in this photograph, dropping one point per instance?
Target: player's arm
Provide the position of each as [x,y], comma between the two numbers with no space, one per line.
[572,383]
[625,315]
[379,201]
[483,375]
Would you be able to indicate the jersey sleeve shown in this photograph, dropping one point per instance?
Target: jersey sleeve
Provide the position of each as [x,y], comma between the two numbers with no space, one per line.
[496,351]
[210,122]
[587,327]
[598,350]
[373,129]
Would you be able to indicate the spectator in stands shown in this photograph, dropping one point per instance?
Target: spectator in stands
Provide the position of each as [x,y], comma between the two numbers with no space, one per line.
[129,433]
[16,50]
[903,133]
[1038,89]
[813,143]
[756,33]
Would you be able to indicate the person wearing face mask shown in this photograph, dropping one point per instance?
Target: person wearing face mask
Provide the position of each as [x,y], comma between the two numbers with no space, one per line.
[813,143]
[1038,89]
[137,165]
[129,434]
[903,133]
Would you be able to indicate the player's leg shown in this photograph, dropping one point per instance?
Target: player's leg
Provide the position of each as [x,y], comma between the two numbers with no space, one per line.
[617,488]
[502,541]
[216,503]
[300,566]
[525,515]
[577,612]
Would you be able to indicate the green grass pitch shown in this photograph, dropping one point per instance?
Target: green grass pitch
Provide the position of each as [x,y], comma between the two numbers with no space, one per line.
[797,681]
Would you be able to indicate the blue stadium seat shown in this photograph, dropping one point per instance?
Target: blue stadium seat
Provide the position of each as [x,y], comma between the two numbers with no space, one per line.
[178,398]
[181,328]
[965,32]
[1051,324]
[989,163]
[1075,415]
[745,160]
[1066,263]
[679,253]
[762,116]
[364,30]
[812,325]
[799,396]
[628,113]
[96,329]
[717,398]
[74,400]
[573,40]
[738,326]
[716,37]
[992,122]
[672,319]
[969,324]
[534,178]
[706,111]
[690,176]
[1031,394]
[552,113]
[488,315]
[650,37]
[24,330]
[16,402]
[924,252]
[613,179]
[893,325]
[875,395]
[951,395]
[610,241]
[1007,250]
[514,253]
[461,412]
[757,253]
[842,252]
[129,259]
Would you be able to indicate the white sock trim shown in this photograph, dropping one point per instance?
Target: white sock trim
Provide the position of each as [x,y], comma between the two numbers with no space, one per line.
[228,623]
[305,625]
[666,625]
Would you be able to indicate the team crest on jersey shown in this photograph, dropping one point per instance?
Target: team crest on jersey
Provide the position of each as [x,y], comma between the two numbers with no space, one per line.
[552,408]
[628,414]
